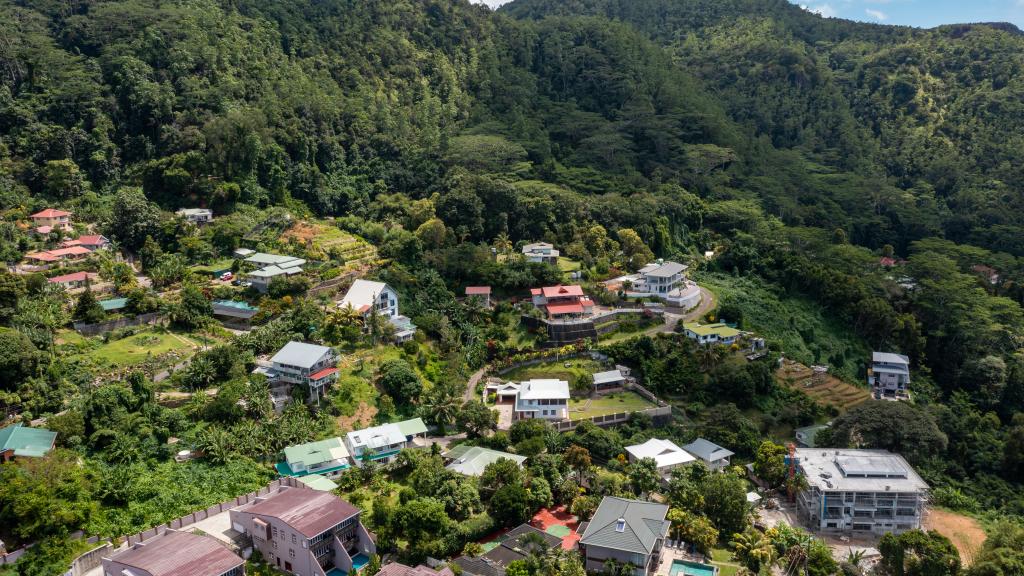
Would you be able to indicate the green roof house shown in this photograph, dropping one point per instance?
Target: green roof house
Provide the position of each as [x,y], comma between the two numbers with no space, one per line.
[471,460]
[325,457]
[18,440]
[711,333]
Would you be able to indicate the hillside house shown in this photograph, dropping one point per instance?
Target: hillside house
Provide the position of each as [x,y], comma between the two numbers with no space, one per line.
[270,266]
[718,333]
[59,255]
[541,252]
[399,569]
[472,460]
[626,532]
[889,374]
[74,280]
[234,313]
[197,216]
[483,293]
[711,454]
[665,453]
[609,381]
[382,443]
[51,219]
[305,532]
[562,302]
[20,441]
[546,399]
[91,242]
[311,366]
[175,553]
[869,491]
[324,457]
[367,297]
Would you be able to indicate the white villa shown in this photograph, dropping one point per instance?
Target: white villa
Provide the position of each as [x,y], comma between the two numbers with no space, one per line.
[299,363]
[889,374]
[367,297]
[665,453]
[665,281]
[547,399]
[196,215]
[382,443]
[541,252]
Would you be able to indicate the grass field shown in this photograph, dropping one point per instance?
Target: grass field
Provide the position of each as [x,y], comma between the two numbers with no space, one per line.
[722,558]
[568,370]
[609,404]
[798,324]
[568,265]
[223,264]
[136,349]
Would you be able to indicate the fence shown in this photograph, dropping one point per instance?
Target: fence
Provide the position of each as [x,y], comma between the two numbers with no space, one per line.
[556,357]
[330,285]
[94,557]
[12,557]
[94,329]
[660,412]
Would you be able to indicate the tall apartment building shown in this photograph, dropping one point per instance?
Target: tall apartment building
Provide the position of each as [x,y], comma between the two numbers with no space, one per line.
[859,491]
[305,532]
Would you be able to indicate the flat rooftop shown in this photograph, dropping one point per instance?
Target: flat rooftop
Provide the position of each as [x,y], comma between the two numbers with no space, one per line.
[848,470]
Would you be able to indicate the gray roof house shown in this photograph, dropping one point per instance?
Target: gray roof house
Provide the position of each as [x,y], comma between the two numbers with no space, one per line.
[710,453]
[627,532]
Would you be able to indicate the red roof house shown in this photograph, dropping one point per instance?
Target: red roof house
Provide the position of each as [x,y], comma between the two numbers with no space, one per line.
[53,218]
[562,301]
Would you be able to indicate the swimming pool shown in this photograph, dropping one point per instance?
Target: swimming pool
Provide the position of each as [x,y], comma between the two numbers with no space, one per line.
[358,561]
[336,572]
[686,568]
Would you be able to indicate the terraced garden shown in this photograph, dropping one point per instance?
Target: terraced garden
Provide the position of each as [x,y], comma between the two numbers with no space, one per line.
[828,391]
[326,241]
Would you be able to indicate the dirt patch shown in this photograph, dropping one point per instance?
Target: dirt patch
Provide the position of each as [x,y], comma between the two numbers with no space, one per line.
[963,531]
[301,231]
[361,419]
[826,390]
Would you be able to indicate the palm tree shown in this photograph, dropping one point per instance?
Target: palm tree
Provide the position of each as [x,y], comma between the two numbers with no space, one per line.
[753,549]
[503,244]
[855,557]
[710,356]
[442,408]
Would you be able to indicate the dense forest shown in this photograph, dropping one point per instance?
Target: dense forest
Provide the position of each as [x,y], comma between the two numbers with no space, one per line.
[800,151]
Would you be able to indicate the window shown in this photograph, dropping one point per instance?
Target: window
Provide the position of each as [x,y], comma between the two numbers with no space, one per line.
[275,531]
[291,553]
[620,525]
[294,541]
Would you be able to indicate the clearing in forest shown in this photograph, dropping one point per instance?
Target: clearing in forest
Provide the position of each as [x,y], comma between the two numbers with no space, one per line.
[828,391]
[963,531]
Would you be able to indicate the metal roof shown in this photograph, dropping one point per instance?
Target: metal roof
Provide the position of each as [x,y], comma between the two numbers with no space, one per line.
[26,441]
[376,436]
[176,553]
[707,450]
[666,270]
[300,354]
[309,512]
[889,358]
[263,259]
[318,482]
[412,427]
[719,329]
[362,293]
[608,377]
[113,304]
[544,389]
[313,453]
[664,452]
[474,459]
[627,525]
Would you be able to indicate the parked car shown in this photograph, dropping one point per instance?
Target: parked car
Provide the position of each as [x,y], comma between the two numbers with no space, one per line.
[227,276]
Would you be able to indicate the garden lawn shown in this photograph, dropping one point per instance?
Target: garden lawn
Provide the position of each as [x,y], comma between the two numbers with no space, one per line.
[722,558]
[576,367]
[223,264]
[137,349]
[609,404]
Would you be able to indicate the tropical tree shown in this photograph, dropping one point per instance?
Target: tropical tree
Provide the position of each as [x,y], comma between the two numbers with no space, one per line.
[753,549]
[709,356]
[577,458]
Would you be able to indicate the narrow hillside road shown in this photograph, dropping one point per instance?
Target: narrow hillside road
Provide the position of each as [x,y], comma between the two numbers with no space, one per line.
[471,385]
[672,319]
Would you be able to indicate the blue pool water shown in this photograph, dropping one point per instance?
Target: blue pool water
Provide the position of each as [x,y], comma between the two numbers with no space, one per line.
[684,568]
[358,561]
[336,572]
